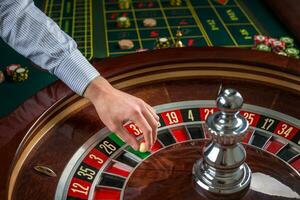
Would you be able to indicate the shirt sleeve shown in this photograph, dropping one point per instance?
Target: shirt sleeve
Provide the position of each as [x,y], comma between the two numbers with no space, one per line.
[34,35]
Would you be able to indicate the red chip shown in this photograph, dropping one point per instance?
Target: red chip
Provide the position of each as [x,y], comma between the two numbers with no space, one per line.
[270,41]
[223,2]
[278,45]
[11,68]
[259,39]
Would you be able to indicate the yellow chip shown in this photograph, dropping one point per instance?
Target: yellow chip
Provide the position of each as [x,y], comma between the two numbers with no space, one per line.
[143,148]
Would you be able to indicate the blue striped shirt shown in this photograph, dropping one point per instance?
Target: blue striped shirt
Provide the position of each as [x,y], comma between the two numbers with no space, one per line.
[34,35]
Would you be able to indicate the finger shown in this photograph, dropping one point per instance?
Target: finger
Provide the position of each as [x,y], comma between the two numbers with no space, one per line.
[152,122]
[128,138]
[142,123]
[155,125]
[152,112]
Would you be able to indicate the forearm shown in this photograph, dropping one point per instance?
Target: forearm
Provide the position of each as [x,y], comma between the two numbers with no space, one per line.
[30,32]
[98,88]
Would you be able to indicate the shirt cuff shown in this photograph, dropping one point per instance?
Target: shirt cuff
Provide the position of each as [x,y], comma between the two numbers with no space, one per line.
[76,71]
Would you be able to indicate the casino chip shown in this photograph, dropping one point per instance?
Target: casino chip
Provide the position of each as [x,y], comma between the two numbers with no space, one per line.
[124,4]
[162,43]
[143,147]
[270,41]
[292,52]
[223,2]
[282,46]
[123,22]
[149,22]
[126,44]
[278,46]
[175,2]
[2,78]
[282,53]
[20,74]
[11,68]
[259,39]
[289,42]
[263,47]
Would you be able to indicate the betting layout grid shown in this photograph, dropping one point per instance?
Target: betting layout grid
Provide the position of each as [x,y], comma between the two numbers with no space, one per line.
[75,18]
[203,22]
[114,161]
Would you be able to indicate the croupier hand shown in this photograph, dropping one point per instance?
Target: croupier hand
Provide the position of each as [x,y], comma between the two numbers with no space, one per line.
[115,107]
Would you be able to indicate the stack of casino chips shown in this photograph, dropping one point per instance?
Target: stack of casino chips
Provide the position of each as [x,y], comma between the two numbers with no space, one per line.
[126,44]
[162,43]
[123,22]
[175,2]
[124,4]
[20,74]
[289,42]
[17,73]
[283,46]
[260,43]
[292,52]
[11,68]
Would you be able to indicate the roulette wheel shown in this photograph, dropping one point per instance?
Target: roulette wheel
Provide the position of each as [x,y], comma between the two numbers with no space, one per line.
[63,151]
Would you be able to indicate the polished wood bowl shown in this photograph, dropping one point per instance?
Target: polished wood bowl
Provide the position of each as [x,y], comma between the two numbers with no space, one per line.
[50,127]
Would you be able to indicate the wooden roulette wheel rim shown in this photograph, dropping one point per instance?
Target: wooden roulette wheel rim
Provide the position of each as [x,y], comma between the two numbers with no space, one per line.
[165,72]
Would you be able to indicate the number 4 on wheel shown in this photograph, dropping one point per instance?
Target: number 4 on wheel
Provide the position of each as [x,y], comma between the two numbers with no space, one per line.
[223,2]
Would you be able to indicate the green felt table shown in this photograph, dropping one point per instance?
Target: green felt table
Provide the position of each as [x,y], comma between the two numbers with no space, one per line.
[92,23]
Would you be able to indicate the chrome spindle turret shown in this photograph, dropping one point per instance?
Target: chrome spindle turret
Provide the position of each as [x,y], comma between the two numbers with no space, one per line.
[222,170]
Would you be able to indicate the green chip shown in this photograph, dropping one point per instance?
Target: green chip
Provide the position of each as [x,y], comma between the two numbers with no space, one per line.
[263,47]
[292,52]
[289,42]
